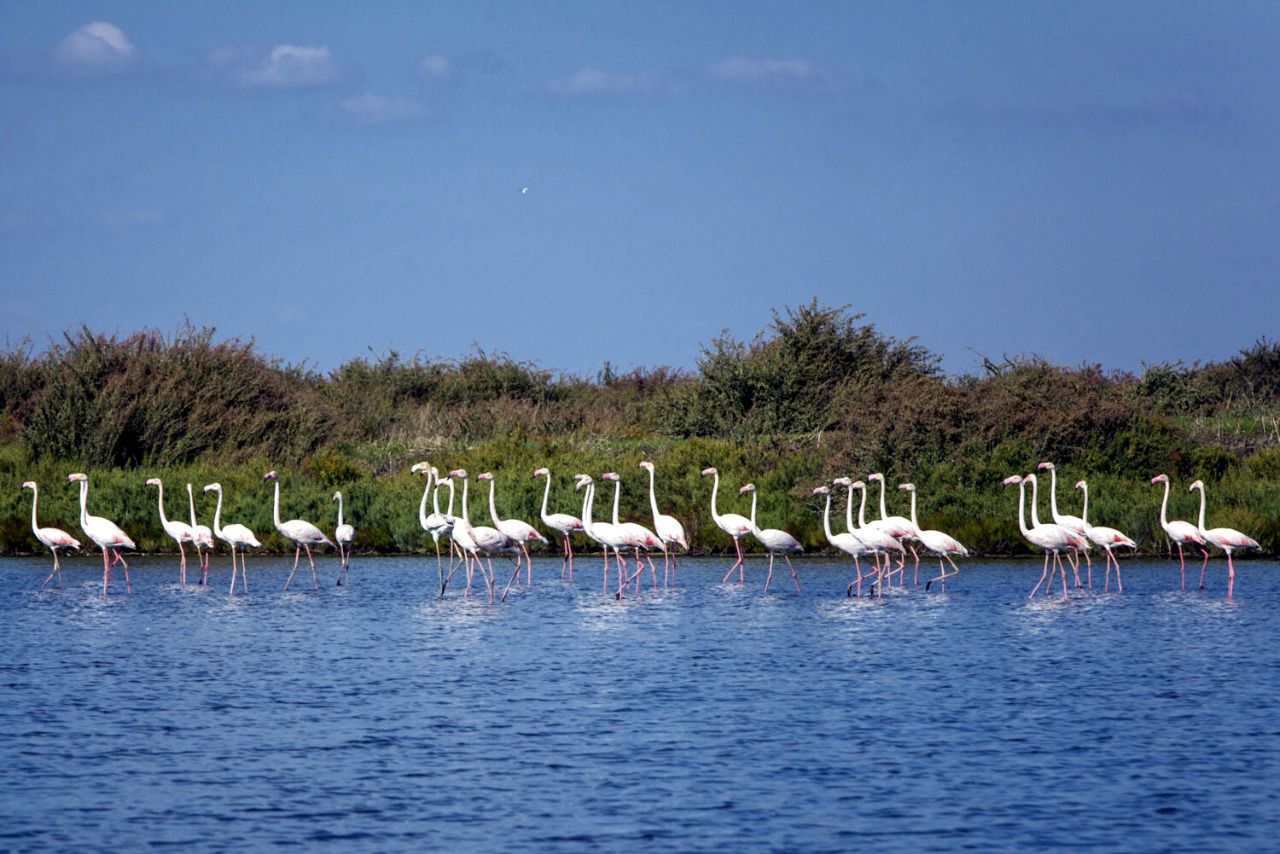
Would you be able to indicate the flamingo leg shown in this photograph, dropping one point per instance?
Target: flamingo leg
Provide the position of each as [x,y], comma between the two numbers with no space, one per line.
[315,581]
[182,565]
[297,555]
[1064,577]
[232,592]
[507,589]
[1182,567]
[737,547]
[794,577]
[1231,574]
[1044,573]
[106,571]
[244,574]
[769,577]
[1206,563]
[1119,583]
[127,586]
[1089,573]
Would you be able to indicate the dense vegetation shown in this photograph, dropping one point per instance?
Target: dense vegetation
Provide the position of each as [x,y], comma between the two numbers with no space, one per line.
[818,394]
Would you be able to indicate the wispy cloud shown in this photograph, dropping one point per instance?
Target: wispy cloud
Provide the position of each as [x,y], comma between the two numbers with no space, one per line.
[435,68]
[381,109]
[285,66]
[592,81]
[98,47]
[770,73]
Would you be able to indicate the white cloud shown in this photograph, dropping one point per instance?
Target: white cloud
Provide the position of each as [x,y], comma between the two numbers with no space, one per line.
[381,109]
[591,81]
[97,47]
[288,66]
[776,73]
[436,68]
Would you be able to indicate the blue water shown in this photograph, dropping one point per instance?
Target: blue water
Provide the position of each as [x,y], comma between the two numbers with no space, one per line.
[376,717]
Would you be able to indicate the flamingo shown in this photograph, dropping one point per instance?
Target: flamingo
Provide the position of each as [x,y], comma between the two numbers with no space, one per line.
[1108,538]
[603,533]
[1051,538]
[437,523]
[344,536]
[1181,533]
[734,525]
[302,534]
[941,544]
[52,538]
[1227,539]
[203,539]
[636,536]
[104,532]
[180,531]
[1072,523]
[668,529]
[564,523]
[847,543]
[479,540]
[775,541]
[520,533]
[898,527]
[874,538]
[233,535]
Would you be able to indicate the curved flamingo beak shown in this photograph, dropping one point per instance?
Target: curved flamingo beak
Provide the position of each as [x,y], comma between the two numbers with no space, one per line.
[1012,479]
[1079,484]
[708,470]
[1044,466]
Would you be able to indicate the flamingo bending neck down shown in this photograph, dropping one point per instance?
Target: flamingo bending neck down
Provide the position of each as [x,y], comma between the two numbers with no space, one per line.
[775,541]
[1227,539]
[668,529]
[1052,539]
[564,523]
[1180,533]
[52,538]
[941,544]
[344,535]
[104,532]
[302,534]
[733,524]
[180,531]
[203,539]
[233,535]
[1108,538]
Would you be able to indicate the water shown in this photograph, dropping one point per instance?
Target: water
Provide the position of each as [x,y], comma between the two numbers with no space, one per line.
[711,717]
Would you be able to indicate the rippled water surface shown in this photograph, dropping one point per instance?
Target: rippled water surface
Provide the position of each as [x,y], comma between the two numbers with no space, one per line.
[711,716]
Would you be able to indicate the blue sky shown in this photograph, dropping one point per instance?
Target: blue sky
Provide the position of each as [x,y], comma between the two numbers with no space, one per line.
[1087,181]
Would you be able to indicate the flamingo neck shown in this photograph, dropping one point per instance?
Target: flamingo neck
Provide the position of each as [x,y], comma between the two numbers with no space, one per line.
[883,515]
[914,523]
[862,509]
[466,517]
[653,500]
[275,512]
[84,503]
[493,508]
[1164,503]
[1022,517]
[160,500]
[753,511]
[1202,509]
[449,513]
[1084,511]
[191,503]
[1035,518]
[715,487]
[35,499]
[848,509]
[217,515]
[1053,493]
[422,505]
[588,498]
[435,493]
[826,520]
[546,493]
[339,509]
[617,493]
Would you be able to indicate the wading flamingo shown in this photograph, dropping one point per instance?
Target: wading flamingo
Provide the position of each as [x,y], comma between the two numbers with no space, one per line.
[1074,524]
[565,524]
[344,535]
[1108,538]
[775,541]
[479,540]
[203,539]
[1181,533]
[734,525]
[302,534]
[847,543]
[233,535]
[520,533]
[180,531]
[104,532]
[897,527]
[1227,539]
[1053,539]
[603,533]
[873,538]
[52,538]
[941,544]
[637,536]
[436,524]
[668,529]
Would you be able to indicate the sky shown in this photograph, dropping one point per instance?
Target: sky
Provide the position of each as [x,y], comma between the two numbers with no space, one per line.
[579,182]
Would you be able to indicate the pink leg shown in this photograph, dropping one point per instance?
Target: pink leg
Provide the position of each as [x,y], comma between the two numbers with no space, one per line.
[1089,572]
[1231,574]
[297,555]
[106,571]
[182,565]
[232,592]
[1064,578]
[1182,568]
[507,589]
[794,577]
[1043,574]
[315,581]
[1206,563]
[528,565]
[769,577]
[1119,583]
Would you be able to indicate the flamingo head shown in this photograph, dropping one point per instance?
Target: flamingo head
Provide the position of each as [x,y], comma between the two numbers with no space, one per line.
[611,475]
[1045,467]
[750,487]
[542,472]
[1080,484]
[709,470]
[337,496]
[821,490]
[843,481]
[581,480]
[1012,479]
[422,466]
[77,477]
[1160,478]
[857,484]
[153,481]
[30,484]
[462,473]
[1031,478]
[876,476]
[485,475]
[1199,484]
[645,464]
[911,487]
[212,487]
[271,475]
